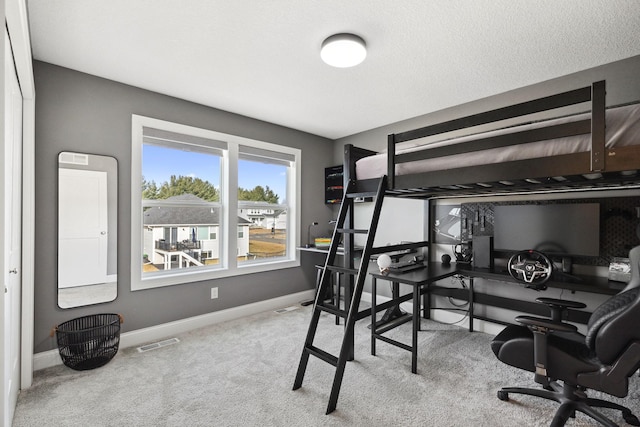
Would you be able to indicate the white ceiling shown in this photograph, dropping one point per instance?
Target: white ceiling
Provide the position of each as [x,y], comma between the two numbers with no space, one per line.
[261,58]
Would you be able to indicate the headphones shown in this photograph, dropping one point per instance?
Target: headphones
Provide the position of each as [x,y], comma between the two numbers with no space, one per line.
[463,254]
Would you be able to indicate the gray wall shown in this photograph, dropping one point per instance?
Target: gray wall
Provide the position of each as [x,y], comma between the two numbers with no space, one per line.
[83,113]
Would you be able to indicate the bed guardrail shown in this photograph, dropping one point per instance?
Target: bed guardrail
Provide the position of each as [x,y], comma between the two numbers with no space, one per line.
[595,93]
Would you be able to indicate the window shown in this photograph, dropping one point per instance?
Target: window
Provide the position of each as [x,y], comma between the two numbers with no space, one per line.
[261,206]
[192,187]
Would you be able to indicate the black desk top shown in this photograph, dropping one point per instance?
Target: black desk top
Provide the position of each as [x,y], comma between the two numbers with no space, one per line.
[577,283]
[432,272]
[435,271]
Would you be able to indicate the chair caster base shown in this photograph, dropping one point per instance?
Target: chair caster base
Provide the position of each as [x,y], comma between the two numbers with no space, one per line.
[572,399]
[630,418]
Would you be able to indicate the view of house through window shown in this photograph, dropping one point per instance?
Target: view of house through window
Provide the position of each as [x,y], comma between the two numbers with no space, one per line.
[181,207]
[186,202]
[262,208]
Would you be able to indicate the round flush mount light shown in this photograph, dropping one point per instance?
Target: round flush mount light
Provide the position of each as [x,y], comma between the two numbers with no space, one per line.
[343,50]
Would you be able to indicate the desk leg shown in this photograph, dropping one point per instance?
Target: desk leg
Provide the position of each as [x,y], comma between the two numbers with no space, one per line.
[373,315]
[416,328]
[471,304]
[426,303]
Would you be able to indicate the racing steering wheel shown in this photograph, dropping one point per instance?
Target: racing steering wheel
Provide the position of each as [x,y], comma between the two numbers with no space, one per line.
[531,267]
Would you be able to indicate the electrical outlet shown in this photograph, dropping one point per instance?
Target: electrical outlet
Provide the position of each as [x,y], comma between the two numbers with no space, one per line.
[214,293]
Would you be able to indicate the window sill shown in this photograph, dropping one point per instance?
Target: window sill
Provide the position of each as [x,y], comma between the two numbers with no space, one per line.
[183,278]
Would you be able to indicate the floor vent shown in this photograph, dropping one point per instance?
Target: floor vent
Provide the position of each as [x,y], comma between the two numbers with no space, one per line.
[287,309]
[159,344]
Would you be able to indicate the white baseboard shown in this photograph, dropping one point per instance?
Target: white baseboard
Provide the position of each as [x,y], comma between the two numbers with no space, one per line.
[138,337]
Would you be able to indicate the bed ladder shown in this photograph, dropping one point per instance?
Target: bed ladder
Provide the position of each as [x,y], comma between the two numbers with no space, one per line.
[345,217]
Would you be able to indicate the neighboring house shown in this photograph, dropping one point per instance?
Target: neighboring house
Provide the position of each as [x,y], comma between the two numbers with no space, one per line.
[265,217]
[186,234]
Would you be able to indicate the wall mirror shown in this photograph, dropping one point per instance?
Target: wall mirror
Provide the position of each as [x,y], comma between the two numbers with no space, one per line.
[87,229]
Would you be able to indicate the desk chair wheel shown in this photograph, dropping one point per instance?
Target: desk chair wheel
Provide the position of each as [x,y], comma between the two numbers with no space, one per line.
[630,418]
[503,395]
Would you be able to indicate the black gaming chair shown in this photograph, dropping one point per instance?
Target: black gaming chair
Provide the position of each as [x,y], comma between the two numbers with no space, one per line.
[602,360]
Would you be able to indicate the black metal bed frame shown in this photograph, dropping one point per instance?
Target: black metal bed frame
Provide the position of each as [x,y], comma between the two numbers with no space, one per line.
[612,167]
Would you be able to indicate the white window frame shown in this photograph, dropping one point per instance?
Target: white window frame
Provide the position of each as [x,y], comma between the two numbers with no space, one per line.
[229,183]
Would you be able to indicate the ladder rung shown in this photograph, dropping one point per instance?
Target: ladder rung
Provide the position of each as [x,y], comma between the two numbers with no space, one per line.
[340,269]
[321,354]
[352,230]
[333,310]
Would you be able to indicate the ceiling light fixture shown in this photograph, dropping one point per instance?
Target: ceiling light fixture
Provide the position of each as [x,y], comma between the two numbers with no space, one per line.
[343,50]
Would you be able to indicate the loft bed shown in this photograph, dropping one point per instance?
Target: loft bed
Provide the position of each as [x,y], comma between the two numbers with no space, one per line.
[538,156]
[597,149]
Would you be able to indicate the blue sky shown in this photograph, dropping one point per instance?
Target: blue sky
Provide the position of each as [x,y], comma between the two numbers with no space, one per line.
[159,163]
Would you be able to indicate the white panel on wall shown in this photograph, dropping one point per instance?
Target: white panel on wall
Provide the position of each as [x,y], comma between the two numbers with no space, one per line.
[401,220]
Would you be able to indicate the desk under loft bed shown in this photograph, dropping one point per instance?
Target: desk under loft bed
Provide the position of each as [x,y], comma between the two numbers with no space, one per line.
[598,149]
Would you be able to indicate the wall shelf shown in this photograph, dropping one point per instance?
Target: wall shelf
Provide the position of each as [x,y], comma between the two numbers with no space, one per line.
[333,185]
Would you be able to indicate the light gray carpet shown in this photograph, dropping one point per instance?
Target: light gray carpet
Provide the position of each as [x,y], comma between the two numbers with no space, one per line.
[241,373]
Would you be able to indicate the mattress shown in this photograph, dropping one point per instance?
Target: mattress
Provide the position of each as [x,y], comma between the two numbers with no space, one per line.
[622,129]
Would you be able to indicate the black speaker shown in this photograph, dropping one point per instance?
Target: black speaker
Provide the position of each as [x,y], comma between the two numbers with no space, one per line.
[482,251]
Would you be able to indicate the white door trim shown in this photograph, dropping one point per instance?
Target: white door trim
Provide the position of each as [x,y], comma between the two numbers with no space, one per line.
[18,26]
[12,226]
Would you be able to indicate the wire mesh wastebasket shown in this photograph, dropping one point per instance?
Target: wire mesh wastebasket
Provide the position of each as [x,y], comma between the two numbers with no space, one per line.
[89,342]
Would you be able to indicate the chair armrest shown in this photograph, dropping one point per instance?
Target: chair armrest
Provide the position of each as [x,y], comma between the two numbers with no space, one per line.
[559,306]
[541,324]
